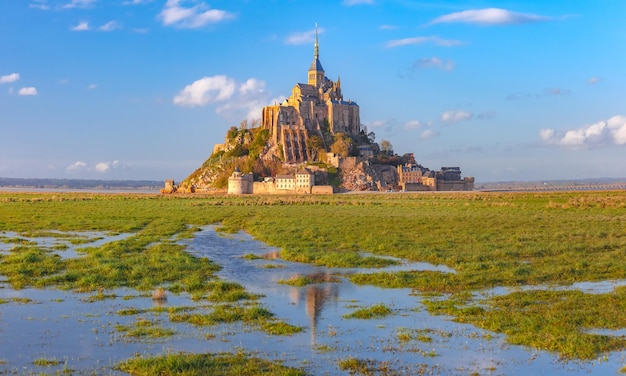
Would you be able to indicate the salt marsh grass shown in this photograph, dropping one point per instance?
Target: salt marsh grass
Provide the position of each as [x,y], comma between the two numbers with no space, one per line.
[488,239]
[205,364]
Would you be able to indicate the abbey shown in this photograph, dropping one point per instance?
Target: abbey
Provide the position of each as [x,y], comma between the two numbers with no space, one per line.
[312,109]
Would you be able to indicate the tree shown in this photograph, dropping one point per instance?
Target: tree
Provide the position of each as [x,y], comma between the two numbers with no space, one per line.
[232,132]
[386,147]
[371,137]
[342,145]
[315,145]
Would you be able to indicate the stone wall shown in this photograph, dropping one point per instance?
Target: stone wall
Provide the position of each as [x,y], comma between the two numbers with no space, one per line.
[322,190]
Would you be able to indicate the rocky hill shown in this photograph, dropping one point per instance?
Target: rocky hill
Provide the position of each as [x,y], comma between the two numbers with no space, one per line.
[334,161]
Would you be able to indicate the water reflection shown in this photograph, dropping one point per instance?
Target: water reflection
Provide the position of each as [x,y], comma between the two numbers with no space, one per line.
[314,297]
[67,245]
[61,325]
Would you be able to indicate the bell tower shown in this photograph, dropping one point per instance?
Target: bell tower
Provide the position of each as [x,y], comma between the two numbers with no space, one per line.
[316,71]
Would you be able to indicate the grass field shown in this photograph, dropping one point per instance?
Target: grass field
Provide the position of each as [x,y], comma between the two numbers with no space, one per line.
[491,240]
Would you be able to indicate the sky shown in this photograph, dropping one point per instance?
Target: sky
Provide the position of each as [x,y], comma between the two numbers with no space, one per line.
[143,89]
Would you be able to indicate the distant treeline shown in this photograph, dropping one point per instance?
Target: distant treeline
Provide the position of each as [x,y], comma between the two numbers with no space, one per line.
[80,183]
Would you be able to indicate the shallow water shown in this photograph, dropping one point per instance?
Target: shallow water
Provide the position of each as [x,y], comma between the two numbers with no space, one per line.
[83,336]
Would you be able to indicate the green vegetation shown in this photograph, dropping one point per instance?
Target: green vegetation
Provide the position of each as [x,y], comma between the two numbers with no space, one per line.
[45,362]
[364,366]
[298,281]
[143,328]
[227,292]
[373,312]
[488,239]
[205,364]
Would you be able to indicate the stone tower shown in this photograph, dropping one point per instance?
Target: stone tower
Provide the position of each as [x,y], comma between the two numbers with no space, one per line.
[316,71]
[313,108]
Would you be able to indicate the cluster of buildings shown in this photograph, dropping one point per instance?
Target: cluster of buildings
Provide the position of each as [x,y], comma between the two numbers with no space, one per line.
[301,182]
[313,108]
[413,178]
[318,108]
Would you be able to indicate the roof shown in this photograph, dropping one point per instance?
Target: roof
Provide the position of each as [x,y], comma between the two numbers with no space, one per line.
[316,65]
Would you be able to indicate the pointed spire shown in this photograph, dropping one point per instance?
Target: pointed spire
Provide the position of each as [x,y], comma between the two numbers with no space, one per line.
[316,49]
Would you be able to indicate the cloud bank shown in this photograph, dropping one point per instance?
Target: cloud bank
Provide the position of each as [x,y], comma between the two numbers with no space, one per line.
[235,99]
[599,134]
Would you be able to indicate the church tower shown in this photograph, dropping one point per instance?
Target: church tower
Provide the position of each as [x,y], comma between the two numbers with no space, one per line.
[316,72]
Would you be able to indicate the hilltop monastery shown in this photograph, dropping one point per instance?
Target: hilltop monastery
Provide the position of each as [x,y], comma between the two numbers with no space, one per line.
[311,107]
[315,108]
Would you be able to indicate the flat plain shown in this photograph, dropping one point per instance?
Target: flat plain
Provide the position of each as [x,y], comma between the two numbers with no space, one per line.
[523,262]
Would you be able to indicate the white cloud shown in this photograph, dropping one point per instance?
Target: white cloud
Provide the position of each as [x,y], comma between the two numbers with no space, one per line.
[76,166]
[102,167]
[39,4]
[236,100]
[428,134]
[357,2]
[79,4]
[82,26]
[28,91]
[455,116]
[594,80]
[421,40]
[435,62]
[9,78]
[251,85]
[206,90]
[489,16]
[92,86]
[601,133]
[110,26]
[251,100]
[173,14]
[413,124]
[387,27]
[617,128]
[304,37]
[546,134]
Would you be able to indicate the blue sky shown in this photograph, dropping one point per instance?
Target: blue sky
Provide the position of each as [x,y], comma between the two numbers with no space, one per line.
[143,89]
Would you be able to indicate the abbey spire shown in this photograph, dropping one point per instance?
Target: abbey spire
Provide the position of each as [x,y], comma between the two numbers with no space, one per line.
[316,71]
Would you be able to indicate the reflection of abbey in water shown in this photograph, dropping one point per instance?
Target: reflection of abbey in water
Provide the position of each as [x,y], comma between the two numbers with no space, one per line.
[315,297]
[313,108]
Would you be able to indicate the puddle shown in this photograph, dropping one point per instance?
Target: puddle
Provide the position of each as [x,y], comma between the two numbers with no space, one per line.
[61,325]
[65,244]
[600,287]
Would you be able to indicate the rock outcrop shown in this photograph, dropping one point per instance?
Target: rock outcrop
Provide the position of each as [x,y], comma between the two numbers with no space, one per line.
[362,176]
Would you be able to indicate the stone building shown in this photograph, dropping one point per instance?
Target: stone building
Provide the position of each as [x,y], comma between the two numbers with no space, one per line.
[417,178]
[311,109]
[240,183]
